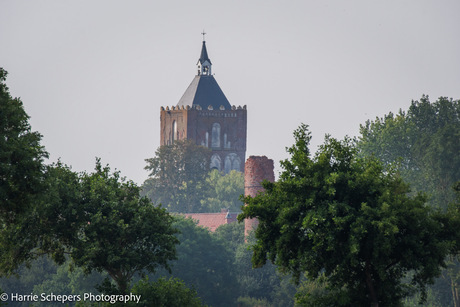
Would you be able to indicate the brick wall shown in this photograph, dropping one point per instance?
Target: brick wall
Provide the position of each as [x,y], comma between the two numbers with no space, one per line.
[196,124]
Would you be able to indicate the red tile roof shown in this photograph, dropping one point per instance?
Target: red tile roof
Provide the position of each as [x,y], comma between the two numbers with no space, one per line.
[213,220]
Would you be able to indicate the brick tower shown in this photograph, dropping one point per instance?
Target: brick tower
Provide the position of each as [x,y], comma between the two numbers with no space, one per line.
[257,169]
[205,116]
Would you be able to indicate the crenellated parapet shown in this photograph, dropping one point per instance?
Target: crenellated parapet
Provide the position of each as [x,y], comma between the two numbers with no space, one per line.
[199,108]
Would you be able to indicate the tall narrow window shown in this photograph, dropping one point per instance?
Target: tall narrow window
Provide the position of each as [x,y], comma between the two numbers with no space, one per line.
[215,135]
[174,131]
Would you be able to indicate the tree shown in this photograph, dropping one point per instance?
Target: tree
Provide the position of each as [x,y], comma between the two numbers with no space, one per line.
[27,277]
[164,292]
[204,263]
[262,283]
[224,191]
[351,219]
[21,179]
[265,283]
[21,158]
[425,142]
[177,176]
[120,232]
[99,220]
[232,234]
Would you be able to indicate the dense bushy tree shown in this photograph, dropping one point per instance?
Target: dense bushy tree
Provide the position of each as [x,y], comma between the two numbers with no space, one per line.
[21,157]
[224,191]
[177,176]
[204,263]
[425,141]
[351,219]
[232,234]
[263,284]
[180,179]
[121,233]
[21,178]
[100,220]
[164,292]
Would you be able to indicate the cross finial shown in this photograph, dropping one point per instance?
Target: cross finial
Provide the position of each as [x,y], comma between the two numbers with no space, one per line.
[203,33]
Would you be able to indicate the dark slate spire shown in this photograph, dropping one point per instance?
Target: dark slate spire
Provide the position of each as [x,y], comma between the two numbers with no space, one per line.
[204,90]
[204,63]
[204,54]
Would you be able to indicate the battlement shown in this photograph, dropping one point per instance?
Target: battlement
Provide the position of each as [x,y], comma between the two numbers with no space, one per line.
[199,108]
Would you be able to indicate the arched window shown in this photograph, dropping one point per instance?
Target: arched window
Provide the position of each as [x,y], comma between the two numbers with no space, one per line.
[215,135]
[232,162]
[174,132]
[215,162]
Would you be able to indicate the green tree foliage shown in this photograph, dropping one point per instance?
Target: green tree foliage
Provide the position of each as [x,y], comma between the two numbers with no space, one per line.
[232,234]
[204,264]
[351,219]
[252,302]
[21,179]
[164,292]
[180,180]
[21,157]
[452,273]
[177,175]
[120,233]
[27,277]
[425,140]
[100,220]
[224,191]
[263,284]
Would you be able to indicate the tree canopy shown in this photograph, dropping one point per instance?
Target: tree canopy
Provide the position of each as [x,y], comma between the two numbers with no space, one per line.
[350,219]
[177,175]
[223,191]
[204,263]
[181,180]
[22,173]
[121,233]
[164,292]
[99,220]
[425,142]
[21,157]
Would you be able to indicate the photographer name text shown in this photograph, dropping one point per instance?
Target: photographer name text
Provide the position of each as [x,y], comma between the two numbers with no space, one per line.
[65,298]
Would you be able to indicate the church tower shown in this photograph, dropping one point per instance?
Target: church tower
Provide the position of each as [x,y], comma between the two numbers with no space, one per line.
[204,115]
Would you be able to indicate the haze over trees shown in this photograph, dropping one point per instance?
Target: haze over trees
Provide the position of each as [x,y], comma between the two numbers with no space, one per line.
[424,141]
[343,221]
[181,180]
[177,175]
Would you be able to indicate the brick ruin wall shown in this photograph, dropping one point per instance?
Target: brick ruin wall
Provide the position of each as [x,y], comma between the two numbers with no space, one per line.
[257,169]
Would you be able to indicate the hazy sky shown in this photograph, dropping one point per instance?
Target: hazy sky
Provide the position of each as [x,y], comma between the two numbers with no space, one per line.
[93,74]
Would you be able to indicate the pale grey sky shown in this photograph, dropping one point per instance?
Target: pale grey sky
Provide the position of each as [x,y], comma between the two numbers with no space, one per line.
[93,74]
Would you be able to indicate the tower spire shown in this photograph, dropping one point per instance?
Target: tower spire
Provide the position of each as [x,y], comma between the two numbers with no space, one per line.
[204,63]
